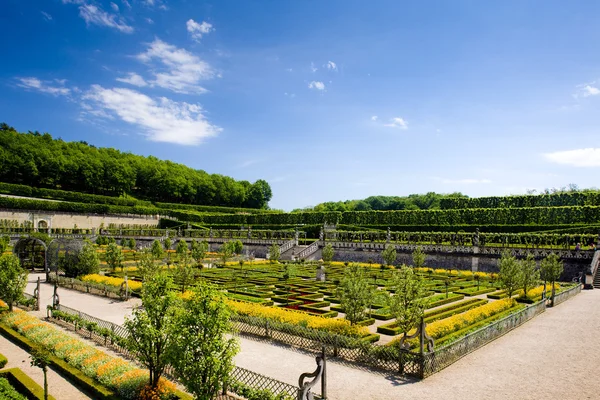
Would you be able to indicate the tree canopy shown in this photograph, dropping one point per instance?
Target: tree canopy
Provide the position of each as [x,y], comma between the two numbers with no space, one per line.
[41,161]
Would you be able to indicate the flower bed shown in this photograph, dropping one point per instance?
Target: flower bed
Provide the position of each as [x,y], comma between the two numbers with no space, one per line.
[135,286]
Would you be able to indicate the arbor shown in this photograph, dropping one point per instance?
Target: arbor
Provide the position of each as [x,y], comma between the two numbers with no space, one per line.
[199,251]
[13,279]
[327,254]
[530,275]
[419,258]
[408,304]
[114,256]
[355,293]
[157,250]
[274,253]
[40,357]
[151,329]
[551,268]
[511,276]
[202,356]
[389,254]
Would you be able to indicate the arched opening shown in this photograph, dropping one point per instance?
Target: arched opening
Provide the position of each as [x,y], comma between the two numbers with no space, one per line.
[42,226]
[32,253]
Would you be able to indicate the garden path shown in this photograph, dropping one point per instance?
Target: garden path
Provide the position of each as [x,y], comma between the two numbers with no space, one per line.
[551,356]
[58,387]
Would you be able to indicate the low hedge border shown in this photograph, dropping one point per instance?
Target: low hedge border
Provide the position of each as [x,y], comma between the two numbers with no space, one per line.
[475,292]
[451,298]
[3,361]
[73,375]
[24,384]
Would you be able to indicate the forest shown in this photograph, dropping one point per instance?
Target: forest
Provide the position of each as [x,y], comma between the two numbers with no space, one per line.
[39,160]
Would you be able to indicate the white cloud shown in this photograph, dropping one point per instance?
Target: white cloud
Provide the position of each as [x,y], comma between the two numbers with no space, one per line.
[397,122]
[182,70]
[126,4]
[33,83]
[587,90]
[94,15]
[374,118]
[316,85]
[161,119]
[313,68]
[150,21]
[331,66]
[114,7]
[47,16]
[467,181]
[588,157]
[133,79]
[196,30]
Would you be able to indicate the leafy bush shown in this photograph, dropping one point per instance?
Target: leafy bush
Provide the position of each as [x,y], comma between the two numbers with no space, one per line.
[3,361]
[7,392]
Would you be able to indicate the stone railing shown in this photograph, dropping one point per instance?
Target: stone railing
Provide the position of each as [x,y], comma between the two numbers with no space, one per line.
[286,246]
[308,251]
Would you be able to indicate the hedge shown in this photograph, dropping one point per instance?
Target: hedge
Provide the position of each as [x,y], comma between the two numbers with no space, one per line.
[24,385]
[3,361]
[544,200]
[73,375]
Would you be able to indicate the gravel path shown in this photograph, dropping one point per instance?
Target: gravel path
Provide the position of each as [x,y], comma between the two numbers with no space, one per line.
[542,359]
[58,387]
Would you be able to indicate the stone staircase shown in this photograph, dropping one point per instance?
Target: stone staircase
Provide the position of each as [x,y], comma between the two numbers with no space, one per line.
[294,251]
[596,270]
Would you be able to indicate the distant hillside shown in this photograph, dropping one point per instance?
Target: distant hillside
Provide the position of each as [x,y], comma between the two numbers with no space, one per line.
[38,160]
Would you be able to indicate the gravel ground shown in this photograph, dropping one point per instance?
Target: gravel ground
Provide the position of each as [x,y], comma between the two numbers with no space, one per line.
[551,356]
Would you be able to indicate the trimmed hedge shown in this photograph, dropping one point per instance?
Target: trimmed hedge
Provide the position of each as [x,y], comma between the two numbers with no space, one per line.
[3,361]
[544,200]
[73,375]
[24,384]
[451,298]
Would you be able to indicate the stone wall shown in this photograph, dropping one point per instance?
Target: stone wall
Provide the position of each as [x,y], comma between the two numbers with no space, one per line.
[83,221]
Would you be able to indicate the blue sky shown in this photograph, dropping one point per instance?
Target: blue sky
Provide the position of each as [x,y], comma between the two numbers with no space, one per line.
[326,100]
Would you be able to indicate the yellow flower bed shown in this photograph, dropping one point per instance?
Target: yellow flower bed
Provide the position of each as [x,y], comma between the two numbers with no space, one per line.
[333,325]
[123,377]
[537,292]
[110,281]
[247,263]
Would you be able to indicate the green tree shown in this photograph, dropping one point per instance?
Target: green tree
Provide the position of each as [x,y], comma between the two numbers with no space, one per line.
[131,244]
[89,262]
[157,250]
[147,265]
[530,275]
[237,247]
[511,275]
[167,243]
[418,258]
[202,357]
[408,303]
[182,249]
[152,332]
[40,357]
[389,254]
[114,257]
[551,268]
[327,253]
[274,253]
[184,274]
[355,293]
[4,241]
[226,252]
[199,250]
[13,279]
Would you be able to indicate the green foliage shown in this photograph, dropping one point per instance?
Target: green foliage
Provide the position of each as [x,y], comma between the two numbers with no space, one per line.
[199,250]
[40,357]
[408,304]
[13,279]
[202,356]
[327,253]
[355,293]
[181,249]
[131,244]
[559,199]
[89,263]
[511,273]
[237,247]
[389,254]
[157,250]
[426,201]
[184,274]
[274,253]
[167,243]
[147,265]
[114,256]
[418,258]
[40,161]
[530,275]
[151,328]
[4,241]
[3,361]
[7,392]
[551,268]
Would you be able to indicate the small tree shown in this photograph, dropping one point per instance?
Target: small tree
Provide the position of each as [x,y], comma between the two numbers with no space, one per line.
[418,258]
[530,275]
[184,274]
[89,262]
[114,256]
[226,252]
[551,269]
[167,246]
[327,253]
[237,247]
[182,249]
[131,244]
[389,254]
[202,357]
[13,279]
[511,276]
[40,357]
[274,253]
[147,265]
[157,250]
[4,241]
[355,293]
[408,303]
[199,251]
[152,328]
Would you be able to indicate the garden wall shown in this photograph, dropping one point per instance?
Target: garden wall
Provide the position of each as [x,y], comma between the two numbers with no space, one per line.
[83,221]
